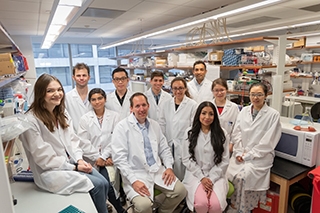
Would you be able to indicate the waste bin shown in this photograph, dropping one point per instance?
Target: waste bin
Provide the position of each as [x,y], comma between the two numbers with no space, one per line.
[315,176]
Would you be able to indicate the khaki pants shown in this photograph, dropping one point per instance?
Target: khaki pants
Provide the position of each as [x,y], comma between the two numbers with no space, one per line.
[171,201]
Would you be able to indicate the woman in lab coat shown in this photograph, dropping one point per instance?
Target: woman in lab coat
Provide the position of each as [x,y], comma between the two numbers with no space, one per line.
[95,130]
[206,158]
[255,135]
[227,110]
[52,147]
[175,117]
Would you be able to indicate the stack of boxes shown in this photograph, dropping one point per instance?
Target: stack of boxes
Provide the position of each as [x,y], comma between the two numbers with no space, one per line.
[230,58]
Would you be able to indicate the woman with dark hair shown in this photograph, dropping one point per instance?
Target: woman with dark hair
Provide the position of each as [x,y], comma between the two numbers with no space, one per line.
[175,117]
[206,159]
[255,135]
[53,149]
[227,110]
[95,130]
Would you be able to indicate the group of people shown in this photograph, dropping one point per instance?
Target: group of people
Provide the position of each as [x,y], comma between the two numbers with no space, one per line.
[186,145]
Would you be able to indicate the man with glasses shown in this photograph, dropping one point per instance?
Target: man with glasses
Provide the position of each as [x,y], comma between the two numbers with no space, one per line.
[118,100]
[77,103]
[200,87]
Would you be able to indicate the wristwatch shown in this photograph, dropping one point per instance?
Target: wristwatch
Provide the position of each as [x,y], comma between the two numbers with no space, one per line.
[76,164]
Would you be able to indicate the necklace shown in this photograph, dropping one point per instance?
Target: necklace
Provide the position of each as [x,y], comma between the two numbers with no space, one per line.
[206,135]
[100,119]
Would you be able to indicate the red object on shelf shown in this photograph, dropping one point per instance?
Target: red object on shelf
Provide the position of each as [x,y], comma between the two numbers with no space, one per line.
[271,206]
[315,176]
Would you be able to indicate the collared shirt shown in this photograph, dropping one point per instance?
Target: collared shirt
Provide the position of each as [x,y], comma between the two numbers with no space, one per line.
[147,145]
[198,86]
[121,100]
[156,97]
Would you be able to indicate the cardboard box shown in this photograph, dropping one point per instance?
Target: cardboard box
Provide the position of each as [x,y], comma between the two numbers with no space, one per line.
[258,48]
[216,56]
[316,58]
[300,43]
[6,64]
[271,205]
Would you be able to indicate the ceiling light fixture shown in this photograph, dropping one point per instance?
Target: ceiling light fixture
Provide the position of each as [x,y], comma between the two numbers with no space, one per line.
[238,9]
[62,14]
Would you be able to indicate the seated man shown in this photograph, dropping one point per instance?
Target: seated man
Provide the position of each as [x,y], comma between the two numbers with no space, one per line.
[139,150]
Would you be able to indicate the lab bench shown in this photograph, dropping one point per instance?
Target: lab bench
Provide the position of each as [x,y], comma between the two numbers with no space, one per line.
[32,199]
[285,173]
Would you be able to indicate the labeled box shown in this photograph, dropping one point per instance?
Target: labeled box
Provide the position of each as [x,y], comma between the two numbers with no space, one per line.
[271,206]
[300,43]
[6,64]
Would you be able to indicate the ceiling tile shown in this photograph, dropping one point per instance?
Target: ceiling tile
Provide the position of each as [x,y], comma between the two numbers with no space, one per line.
[177,2]
[17,6]
[209,5]
[184,11]
[153,7]
[102,13]
[115,5]
[19,15]
[91,22]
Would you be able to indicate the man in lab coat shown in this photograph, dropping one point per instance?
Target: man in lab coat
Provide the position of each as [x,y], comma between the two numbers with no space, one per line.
[156,95]
[200,87]
[118,100]
[140,139]
[77,103]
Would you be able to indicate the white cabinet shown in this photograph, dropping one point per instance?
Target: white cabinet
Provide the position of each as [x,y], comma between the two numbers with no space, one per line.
[6,201]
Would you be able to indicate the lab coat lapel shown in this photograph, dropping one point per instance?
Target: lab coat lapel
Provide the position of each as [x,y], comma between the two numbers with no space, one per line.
[133,123]
[94,119]
[182,105]
[78,100]
[260,114]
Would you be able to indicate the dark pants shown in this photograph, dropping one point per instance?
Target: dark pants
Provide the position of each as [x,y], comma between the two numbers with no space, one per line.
[111,194]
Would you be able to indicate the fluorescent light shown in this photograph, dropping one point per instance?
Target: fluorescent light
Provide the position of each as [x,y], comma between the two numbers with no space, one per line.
[242,9]
[76,3]
[62,14]
[244,34]
[306,24]
[191,23]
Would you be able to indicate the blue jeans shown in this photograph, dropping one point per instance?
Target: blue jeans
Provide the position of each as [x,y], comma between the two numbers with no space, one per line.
[99,193]
[111,195]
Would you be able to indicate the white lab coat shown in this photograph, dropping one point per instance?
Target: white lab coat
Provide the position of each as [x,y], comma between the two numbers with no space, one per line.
[228,116]
[46,152]
[154,109]
[173,124]
[257,140]
[113,104]
[204,94]
[95,140]
[75,107]
[205,167]
[129,157]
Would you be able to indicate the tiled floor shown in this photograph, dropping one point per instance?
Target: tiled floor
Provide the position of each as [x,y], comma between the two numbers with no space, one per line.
[159,198]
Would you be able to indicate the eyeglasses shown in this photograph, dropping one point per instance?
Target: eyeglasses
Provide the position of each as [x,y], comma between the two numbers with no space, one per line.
[178,88]
[258,95]
[120,79]
[219,91]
